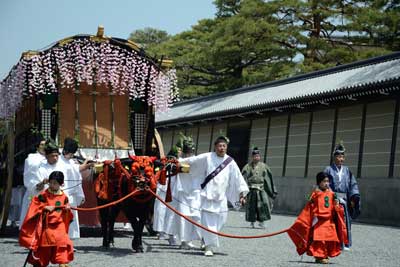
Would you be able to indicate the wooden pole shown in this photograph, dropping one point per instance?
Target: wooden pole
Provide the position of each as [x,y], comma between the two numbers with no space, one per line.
[10,169]
[159,143]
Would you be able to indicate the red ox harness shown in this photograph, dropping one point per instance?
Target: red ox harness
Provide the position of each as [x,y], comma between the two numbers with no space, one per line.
[140,175]
[106,182]
[168,171]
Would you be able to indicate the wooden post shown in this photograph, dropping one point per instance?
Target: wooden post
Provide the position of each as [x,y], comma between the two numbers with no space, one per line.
[10,169]
[76,116]
[149,133]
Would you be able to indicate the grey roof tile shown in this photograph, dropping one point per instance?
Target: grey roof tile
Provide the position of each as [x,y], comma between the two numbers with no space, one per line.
[320,83]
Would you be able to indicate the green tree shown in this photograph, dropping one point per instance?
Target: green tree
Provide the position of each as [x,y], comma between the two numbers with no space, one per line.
[329,33]
[149,37]
[253,41]
[227,8]
[230,51]
[376,22]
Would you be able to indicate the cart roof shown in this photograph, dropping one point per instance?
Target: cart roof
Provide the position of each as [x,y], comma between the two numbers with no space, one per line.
[92,59]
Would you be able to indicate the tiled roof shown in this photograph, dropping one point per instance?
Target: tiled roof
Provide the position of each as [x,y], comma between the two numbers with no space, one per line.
[340,80]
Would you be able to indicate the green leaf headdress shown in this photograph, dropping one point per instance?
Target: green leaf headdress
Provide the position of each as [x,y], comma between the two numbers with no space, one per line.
[186,143]
[339,149]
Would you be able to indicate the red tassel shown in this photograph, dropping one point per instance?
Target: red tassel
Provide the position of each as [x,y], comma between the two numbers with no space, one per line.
[162,177]
[104,184]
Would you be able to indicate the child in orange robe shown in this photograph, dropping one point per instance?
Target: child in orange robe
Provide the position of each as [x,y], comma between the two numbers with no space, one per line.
[320,229]
[45,228]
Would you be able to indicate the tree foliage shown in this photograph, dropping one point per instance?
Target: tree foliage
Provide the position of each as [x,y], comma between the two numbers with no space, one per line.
[149,37]
[254,41]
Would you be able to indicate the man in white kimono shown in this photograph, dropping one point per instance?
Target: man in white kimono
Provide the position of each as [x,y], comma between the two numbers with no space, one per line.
[220,180]
[162,215]
[73,182]
[31,166]
[186,199]
[52,163]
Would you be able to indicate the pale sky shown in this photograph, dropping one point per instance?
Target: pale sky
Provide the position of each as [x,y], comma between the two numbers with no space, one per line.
[35,24]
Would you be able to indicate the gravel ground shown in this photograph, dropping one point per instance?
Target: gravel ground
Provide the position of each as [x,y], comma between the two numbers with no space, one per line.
[372,246]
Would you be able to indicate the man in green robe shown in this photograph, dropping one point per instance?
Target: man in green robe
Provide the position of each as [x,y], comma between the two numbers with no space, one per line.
[262,191]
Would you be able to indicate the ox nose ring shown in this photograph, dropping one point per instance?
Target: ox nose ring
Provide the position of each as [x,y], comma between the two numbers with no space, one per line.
[141,185]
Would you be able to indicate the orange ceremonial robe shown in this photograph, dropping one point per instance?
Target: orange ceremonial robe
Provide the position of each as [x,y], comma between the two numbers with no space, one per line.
[46,233]
[320,229]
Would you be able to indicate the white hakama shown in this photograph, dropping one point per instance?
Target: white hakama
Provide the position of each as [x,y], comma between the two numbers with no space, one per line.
[73,189]
[17,196]
[161,212]
[31,166]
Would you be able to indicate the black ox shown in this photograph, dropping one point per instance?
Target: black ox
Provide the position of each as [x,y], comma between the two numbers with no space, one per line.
[118,179]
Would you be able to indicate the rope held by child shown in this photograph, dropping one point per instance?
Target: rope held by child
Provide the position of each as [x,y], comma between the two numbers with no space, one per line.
[109,204]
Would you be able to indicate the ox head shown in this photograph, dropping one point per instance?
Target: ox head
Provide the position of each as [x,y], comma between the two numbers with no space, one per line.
[142,171]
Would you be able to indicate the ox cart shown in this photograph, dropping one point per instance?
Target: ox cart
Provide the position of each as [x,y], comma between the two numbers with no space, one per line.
[102,91]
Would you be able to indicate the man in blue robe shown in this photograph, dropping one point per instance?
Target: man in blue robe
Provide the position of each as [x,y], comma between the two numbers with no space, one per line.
[344,184]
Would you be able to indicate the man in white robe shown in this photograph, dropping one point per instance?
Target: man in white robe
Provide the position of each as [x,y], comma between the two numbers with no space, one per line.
[31,166]
[186,199]
[227,184]
[71,172]
[163,217]
[52,163]
[73,182]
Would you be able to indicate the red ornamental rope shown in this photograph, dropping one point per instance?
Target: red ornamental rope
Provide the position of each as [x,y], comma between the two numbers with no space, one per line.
[109,204]
[212,231]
